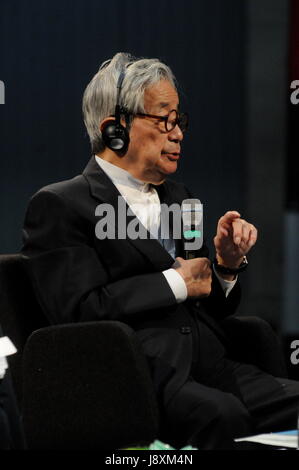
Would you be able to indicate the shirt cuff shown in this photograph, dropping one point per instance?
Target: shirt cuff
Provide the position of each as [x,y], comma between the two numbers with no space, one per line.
[227,286]
[176,284]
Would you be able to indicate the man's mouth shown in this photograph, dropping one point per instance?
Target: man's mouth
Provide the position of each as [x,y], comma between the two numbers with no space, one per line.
[173,157]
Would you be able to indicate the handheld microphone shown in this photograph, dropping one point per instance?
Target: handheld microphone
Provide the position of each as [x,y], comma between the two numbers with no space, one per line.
[192,218]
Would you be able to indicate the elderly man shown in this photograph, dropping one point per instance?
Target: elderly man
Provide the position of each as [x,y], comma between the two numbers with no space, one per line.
[131,112]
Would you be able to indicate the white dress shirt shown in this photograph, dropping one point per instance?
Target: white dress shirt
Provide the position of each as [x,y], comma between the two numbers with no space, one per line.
[143,200]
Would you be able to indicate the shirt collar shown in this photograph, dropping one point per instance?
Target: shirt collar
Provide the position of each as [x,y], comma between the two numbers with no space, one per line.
[120,176]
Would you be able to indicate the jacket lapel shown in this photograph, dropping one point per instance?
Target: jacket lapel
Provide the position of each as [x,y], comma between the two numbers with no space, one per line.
[102,189]
[167,197]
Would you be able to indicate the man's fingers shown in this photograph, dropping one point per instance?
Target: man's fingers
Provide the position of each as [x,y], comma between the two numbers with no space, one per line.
[224,231]
[244,233]
[252,236]
[205,265]
[225,222]
[238,229]
[229,216]
[202,268]
[241,231]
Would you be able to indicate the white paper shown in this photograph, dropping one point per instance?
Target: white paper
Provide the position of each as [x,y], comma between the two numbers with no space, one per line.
[280,439]
[7,348]
[3,366]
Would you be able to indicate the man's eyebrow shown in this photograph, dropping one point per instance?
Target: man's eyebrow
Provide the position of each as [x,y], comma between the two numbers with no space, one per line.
[164,105]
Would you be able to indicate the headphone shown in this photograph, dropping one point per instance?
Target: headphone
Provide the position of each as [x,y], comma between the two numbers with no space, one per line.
[114,134]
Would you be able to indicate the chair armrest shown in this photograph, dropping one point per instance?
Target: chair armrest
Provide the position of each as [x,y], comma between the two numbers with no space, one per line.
[87,386]
[252,340]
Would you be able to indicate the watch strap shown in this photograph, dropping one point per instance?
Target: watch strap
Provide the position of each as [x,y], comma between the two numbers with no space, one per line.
[226,270]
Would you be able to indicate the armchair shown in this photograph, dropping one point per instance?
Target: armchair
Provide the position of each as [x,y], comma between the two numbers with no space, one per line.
[87,385]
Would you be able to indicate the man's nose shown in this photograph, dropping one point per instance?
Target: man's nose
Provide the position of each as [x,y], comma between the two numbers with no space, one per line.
[176,134]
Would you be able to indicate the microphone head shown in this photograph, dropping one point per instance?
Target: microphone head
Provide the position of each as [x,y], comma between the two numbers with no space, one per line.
[191,211]
[192,218]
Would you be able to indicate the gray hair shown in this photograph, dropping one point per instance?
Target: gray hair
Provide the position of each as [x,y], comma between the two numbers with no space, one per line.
[99,99]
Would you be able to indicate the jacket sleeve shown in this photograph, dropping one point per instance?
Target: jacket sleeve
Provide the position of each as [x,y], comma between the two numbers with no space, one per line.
[68,277]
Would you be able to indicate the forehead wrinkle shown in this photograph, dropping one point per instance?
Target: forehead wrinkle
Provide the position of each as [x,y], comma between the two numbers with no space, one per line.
[167,105]
[160,96]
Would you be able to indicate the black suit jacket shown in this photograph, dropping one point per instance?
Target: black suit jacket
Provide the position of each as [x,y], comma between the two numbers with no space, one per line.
[78,277]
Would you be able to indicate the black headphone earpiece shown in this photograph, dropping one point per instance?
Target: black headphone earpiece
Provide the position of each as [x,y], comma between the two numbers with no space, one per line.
[114,134]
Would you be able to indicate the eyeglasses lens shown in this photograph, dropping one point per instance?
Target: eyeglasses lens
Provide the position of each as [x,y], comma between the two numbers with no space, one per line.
[176,119]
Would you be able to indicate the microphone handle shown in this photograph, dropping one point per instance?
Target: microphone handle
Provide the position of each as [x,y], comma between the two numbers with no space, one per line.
[190,255]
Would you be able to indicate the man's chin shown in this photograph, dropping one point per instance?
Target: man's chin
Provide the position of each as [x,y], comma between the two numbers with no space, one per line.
[170,168]
[163,174]
[159,174]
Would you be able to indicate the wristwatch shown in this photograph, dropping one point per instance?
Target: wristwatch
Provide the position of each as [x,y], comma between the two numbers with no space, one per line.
[225,270]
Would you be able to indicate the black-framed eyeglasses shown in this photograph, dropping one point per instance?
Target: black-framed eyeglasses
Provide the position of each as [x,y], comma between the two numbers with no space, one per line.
[172,119]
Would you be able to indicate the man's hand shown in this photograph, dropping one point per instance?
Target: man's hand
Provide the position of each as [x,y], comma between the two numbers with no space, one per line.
[197,275]
[233,240]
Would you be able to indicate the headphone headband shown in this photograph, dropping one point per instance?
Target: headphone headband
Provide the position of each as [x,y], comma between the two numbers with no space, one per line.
[119,84]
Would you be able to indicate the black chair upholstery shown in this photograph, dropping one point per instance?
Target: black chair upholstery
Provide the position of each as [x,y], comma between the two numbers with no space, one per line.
[79,386]
[253,341]
[87,385]
[20,313]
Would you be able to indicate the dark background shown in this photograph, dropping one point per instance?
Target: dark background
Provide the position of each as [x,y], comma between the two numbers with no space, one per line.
[51,50]
[231,59]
